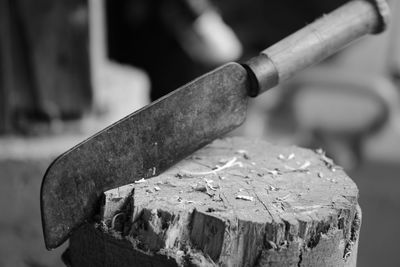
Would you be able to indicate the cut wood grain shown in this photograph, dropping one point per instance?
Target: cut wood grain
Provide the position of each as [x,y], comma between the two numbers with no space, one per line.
[236,202]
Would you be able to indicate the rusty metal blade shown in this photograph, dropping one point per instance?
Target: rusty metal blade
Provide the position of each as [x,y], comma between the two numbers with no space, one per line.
[141,145]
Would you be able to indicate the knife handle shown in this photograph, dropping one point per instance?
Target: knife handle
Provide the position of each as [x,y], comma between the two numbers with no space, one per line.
[315,42]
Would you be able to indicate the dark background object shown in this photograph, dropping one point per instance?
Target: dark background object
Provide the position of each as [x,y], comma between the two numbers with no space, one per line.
[44,62]
[261,23]
[139,34]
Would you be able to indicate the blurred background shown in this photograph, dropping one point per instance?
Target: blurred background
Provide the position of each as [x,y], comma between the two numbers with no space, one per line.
[70,68]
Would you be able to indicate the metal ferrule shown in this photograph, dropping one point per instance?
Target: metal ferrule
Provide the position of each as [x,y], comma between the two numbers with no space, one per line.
[262,74]
[383,13]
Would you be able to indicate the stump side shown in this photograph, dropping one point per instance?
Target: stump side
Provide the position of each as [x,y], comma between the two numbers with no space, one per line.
[236,202]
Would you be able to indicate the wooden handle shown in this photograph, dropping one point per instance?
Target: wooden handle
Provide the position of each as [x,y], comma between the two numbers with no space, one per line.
[317,41]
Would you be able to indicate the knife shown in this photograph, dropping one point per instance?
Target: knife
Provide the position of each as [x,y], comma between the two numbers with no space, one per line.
[148,141]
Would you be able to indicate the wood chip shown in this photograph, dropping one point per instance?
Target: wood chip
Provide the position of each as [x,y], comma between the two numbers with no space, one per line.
[200,188]
[244,153]
[273,245]
[247,198]
[328,161]
[273,172]
[272,188]
[223,161]
[302,168]
[305,165]
[290,157]
[141,181]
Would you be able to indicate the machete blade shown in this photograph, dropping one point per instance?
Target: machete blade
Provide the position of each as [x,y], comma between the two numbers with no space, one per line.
[141,145]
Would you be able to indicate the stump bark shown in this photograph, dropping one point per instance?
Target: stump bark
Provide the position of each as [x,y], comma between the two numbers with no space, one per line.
[236,202]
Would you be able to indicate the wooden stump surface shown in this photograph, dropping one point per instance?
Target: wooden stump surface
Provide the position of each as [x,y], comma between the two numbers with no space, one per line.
[236,202]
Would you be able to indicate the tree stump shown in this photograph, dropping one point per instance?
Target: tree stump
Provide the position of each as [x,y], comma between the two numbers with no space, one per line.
[236,202]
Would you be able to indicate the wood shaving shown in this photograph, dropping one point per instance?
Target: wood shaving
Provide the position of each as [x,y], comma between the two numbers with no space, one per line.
[233,162]
[210,185]
[305,165]
[289,168]
[348,249]
[307,208]
[302,168]
[327,161]
[290,157]
[115,218]
[141,181]
[347,255]
[247,198]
